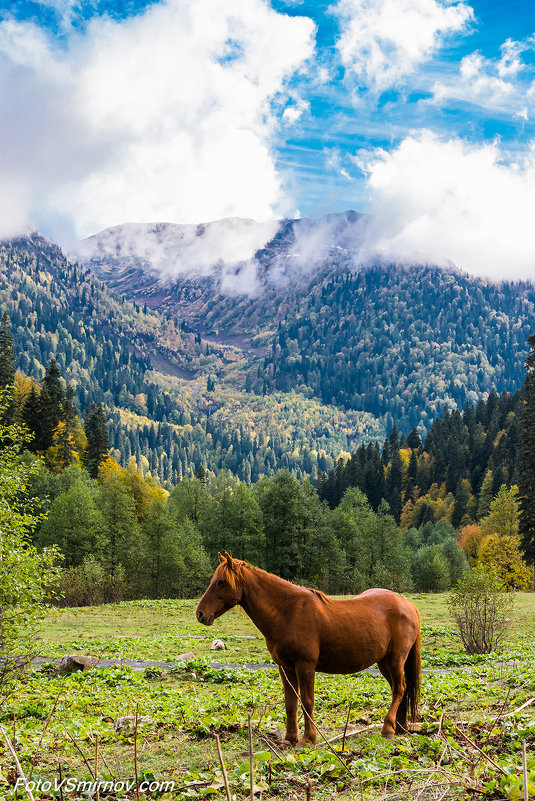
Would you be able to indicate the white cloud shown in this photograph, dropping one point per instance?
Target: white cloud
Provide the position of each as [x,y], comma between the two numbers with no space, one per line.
[441,201]
[510,62]
[295,110]
[496,84]
[168,115]
[384,41]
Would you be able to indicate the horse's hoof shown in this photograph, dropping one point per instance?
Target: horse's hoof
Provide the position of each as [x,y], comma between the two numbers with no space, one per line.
[287,743]
[305,741]
[388,735]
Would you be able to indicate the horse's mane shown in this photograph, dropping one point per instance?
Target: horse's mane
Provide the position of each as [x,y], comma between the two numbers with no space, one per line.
[321,595]
[238,569]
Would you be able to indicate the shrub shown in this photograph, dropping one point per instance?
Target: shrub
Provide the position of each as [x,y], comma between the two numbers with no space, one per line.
[90,584]
[430,570]
[481,609]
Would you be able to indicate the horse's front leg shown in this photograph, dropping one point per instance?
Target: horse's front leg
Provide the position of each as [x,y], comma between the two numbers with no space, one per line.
[289,683]
[305,676]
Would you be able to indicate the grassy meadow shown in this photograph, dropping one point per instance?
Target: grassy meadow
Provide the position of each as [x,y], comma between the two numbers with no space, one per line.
[469,743]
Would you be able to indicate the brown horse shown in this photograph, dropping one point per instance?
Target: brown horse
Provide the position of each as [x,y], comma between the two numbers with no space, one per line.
[306,632]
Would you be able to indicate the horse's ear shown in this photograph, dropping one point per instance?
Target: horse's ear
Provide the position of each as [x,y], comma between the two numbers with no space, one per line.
[230,561]
[221,558]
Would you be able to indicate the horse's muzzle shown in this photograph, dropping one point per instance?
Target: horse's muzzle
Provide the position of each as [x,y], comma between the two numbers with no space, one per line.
[206,620]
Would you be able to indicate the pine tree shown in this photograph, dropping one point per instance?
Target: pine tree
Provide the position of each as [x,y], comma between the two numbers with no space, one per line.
[31,417]
[64,436]
[413,440]
[51,402]
[98,443]
[527,458]
[7,356]
[394,479]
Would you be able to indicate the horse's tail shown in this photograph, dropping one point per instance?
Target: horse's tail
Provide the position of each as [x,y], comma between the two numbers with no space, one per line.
[408,709]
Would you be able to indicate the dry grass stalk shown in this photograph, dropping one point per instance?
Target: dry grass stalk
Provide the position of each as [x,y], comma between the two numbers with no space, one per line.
[88,766]
[525,770]
[520,708]
[97,794]
[351,734]
[487,757]
[223,769]
[345,727]
[17,763]
[135,752]
[273,748]
[251,761]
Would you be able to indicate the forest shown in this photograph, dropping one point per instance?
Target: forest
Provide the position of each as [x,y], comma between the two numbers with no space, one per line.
[119,534]
[137,488]
[401,343]
[103,346]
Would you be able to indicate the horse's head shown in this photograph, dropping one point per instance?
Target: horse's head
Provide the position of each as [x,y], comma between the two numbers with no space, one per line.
[224,591]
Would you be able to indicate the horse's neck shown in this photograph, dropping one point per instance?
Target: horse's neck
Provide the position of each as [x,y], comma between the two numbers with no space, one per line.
[265,599]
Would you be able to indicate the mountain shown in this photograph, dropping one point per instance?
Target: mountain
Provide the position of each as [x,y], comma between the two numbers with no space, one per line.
[154,378]
[400,342]
[327,354]
[173,267]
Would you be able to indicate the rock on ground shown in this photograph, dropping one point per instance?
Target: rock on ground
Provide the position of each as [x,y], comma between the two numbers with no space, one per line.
[72,662]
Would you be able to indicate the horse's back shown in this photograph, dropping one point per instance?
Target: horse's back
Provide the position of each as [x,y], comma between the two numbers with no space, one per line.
[354,633]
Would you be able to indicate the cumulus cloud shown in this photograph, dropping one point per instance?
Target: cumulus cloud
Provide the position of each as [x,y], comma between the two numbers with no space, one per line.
[496,84]
[384,41]
[168,115]
[449,202]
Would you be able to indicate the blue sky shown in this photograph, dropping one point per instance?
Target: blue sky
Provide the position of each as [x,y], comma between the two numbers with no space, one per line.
[190,110]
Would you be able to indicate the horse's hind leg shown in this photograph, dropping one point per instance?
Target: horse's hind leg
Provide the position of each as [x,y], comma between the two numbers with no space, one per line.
[305,676]
[290,686]
[392,670]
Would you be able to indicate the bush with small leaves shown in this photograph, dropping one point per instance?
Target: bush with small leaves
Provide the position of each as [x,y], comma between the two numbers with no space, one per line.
[481,609]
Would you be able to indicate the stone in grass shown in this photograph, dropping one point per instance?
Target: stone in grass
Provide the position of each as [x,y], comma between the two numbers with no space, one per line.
[128,722]
[185,657]
[72,662]
[218,645]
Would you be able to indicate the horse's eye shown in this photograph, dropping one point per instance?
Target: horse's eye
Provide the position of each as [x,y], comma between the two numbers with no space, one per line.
[220,583]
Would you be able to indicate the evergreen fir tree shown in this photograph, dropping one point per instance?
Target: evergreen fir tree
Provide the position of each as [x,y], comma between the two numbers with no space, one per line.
[201,475]
[65,433]
[31,417]
[98,443]
[7,356]
[527,458]
[413,440]
[51,402]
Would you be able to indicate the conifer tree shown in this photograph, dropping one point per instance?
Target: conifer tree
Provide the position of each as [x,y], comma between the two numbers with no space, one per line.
[413,440]
[527,458]
[7,356]
[98,443]
[51,402]
[31,417]
[64,437]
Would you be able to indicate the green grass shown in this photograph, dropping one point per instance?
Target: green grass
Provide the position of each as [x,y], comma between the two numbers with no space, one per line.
[179,711]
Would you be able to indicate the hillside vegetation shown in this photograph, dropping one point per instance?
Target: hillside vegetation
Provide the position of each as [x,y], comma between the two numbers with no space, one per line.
[402,342]
[105,348]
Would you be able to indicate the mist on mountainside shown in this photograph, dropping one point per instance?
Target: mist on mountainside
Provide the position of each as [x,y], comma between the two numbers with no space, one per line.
[243,256]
